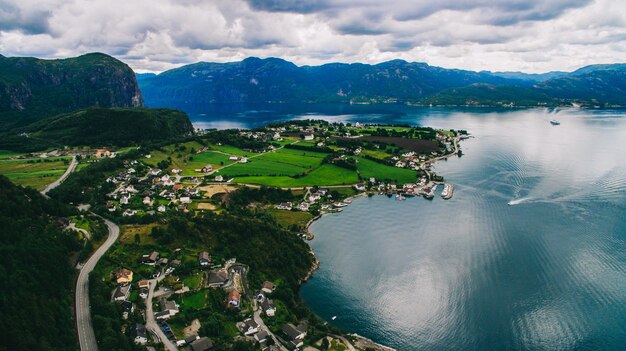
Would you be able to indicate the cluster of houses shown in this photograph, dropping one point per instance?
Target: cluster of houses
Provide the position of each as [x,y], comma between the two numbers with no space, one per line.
[158,192]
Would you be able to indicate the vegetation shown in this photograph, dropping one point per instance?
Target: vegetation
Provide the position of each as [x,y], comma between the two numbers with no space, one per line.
[34,172]
[98,127]
[37,277]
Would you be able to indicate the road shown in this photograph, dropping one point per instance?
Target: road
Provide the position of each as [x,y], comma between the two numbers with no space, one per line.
[151,323]
[257,318]
[56,183]
[86,336]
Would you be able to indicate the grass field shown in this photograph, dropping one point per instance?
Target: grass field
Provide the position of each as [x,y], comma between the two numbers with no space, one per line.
[326,174]
[4,154]
[258,166]
[34,174]
[306,159]
[289,218]
[369,168]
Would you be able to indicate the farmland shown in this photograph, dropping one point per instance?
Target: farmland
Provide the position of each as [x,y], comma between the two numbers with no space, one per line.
[368,169]
[35,173]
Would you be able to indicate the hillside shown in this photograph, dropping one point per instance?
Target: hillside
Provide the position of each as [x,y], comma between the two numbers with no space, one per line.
[32,88]
[100,127]
[37,278]
[255,80]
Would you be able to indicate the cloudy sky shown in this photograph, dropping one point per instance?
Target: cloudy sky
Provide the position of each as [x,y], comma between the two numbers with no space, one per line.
[156,35]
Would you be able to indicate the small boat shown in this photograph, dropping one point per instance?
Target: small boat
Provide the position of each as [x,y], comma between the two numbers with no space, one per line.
[554,122]
[339,204]
[347,201]
[334,317]
[400,197]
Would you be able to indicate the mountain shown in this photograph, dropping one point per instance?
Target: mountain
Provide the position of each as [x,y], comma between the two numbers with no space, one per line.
[274,80]
[37,277]
[100,127]
[32,88]
[255,80]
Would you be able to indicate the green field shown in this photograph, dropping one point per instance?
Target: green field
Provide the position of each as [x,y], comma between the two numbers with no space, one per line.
[35,173]
[306,159]
[186,160]
[369,168]
[4,154]
[326,174]
[289,218]
[258,166]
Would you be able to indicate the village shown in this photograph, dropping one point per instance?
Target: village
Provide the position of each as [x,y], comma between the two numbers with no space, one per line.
[155,288]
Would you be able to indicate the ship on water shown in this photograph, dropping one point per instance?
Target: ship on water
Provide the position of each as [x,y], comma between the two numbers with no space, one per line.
[554,122]
[448,190]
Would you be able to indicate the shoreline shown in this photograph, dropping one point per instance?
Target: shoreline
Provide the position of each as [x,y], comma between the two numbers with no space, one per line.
[360,341]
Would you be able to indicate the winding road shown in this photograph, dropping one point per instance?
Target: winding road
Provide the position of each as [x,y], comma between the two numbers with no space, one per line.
[151,323]
[56,183]
[86,336]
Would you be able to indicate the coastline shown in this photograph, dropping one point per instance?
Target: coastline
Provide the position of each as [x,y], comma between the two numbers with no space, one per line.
[359,341]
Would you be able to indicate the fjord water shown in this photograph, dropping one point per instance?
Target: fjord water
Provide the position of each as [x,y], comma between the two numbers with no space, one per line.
[529,254]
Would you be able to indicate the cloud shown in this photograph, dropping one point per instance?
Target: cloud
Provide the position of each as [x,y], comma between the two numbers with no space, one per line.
[155,35]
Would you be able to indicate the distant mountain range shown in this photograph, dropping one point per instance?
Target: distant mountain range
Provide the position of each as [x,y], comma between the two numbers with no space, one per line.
[32,88]
[274,80]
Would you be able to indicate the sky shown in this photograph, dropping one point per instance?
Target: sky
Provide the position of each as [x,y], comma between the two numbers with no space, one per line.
[532,36]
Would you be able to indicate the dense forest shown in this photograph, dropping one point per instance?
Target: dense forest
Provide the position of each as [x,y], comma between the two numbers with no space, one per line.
[99,127]
[37,277]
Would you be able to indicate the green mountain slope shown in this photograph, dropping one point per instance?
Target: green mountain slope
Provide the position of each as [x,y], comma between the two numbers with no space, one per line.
[37,278]
[100,127]
[32,88]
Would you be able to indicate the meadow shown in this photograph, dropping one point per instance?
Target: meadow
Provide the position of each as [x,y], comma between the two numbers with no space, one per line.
[34,173]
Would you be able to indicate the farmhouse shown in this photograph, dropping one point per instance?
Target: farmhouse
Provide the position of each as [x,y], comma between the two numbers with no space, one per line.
[233,298]
[204,258]
[124,276]
[268,287]
[217,279]
[268,307]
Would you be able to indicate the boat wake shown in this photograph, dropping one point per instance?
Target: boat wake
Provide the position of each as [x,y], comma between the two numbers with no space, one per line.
[519,201]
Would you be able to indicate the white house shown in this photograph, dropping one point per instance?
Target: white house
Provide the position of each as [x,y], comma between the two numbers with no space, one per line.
[219,178]
[243,160]
[161,208]
[268,307]
[185,200]
[309,137]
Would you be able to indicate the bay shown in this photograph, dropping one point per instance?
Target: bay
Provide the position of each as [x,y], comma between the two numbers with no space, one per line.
[529,254]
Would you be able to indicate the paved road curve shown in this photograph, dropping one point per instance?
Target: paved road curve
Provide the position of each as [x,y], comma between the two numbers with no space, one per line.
[56,183]
[86,336]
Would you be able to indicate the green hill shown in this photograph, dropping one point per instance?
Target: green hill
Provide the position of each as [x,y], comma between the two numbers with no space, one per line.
[100,127]
[31,88]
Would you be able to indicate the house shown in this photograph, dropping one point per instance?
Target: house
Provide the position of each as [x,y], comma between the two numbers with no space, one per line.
[121,292]
[268,307]
[309,136]
[303,206]
[155,172]
[250,327]
[140,334]
[176,170]
[261,336]
[219,178]
[188,340]
[124,200]
[233,158]
[206,169]
[129,212]
[294,334]
[359,187]
[146,200]
[201,344]
[243,160]
[169,307]
[285,206]
[204,258]
[185,200]
[124,276]
[102,153]
[217,279]
[144,283]
[161,208]
[233,299]
[150,259]
[268,287]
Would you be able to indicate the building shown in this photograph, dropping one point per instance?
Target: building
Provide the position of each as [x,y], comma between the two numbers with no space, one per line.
[102,153]
[168,309]
[233,299]
[268,287]
[250,327]
[219,178]
[261,336]
[201,344]
[204,258]
[309,137]
[124,276]
[140,334]
[150,259]
[217,279]
[121,292]
[268,307]
[294,334]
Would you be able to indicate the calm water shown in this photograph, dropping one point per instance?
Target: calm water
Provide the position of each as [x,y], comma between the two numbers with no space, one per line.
[547,272]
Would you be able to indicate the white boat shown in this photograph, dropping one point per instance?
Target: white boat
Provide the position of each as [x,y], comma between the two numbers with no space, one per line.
[334,317]
[554,122]
[400,197]
[339,204]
